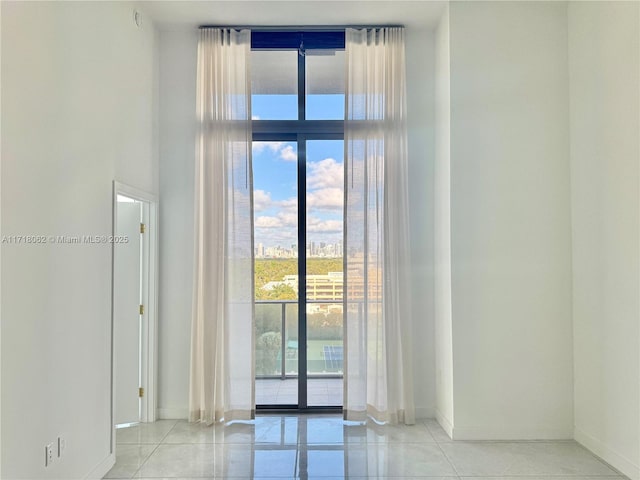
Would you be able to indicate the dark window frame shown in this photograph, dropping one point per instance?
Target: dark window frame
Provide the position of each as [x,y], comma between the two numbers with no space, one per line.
[299,131]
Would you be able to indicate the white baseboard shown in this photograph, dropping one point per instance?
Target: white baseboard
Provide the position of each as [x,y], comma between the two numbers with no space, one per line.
[425,412]
[172,413]
[444,423]
[102,468]
[510,432]
[613,458]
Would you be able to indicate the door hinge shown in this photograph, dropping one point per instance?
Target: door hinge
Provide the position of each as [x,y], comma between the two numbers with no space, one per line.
[143,227]
[141,309]
[141,392]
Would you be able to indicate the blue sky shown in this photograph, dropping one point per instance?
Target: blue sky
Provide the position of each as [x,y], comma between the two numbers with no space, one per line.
[275,177]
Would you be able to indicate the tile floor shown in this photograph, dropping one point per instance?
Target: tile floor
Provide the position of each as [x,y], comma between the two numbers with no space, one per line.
[320,391]
[323,447]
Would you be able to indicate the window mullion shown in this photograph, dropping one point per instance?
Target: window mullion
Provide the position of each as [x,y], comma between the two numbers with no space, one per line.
[302,87]
[302,272]
[302,240]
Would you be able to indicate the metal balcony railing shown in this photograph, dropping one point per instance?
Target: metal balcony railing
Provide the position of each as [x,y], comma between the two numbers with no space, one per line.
[277,338]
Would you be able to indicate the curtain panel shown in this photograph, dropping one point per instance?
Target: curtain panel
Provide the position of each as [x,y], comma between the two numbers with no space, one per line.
[222,344]
[378,357]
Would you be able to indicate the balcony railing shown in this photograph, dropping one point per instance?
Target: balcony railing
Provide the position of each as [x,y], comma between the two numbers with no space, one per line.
[277,338]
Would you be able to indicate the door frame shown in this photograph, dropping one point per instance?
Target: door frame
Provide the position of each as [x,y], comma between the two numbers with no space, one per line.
[299,131]
[149,339]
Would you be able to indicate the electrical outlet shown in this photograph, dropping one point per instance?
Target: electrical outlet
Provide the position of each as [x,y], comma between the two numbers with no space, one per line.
[62,444]
[48,452]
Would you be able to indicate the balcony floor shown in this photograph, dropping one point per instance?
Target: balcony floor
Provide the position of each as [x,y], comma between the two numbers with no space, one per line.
[320,392]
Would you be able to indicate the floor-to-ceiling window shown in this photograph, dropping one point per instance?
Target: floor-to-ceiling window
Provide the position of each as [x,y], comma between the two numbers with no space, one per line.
[298,84]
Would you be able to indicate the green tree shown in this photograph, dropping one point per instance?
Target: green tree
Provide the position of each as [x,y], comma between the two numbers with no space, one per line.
[280,292]
[274,270]
[268,346]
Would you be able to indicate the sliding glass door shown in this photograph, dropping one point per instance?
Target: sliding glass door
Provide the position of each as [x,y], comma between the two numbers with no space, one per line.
[275,180]
[298,235]
[324,275]
[298,177]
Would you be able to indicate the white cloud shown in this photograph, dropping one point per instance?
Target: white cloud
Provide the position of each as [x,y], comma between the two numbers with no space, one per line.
[326,173]
[255,117]
[288,154]
[281,220]
[288,219]
[283,150]
[317,225]
[261,200]
[326,199]
[259,147]
[268,222]
[289,205]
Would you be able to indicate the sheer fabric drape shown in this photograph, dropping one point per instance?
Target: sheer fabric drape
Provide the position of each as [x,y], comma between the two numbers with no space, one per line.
[222,366]
[378,358]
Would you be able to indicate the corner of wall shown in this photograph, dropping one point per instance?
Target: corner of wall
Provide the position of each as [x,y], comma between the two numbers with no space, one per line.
[625,465]
[102,468]
[442,228]
[444,423]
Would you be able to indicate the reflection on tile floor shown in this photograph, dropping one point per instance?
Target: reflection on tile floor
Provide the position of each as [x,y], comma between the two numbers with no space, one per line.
[320,391]
[323,446]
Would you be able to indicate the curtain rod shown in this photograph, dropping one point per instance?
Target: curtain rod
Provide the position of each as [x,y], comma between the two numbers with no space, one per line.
[307,28]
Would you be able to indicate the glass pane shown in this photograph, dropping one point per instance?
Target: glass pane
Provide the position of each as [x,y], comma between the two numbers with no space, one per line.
[274,85]
[291,336]
[325,205]
[275,206]
[325,85]
[268,340]
[276,271]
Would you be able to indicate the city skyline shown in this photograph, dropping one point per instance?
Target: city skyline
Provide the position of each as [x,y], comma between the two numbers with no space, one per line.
[313,250]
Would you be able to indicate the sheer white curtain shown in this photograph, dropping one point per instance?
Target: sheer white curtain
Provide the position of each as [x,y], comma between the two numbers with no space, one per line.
[378,360]
[222,367]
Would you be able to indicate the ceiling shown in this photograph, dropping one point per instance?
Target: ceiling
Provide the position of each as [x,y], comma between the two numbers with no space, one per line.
[185,13]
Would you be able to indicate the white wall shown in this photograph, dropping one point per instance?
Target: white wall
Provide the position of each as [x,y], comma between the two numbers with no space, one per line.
[177,157]
[604,82]
[510,221]
[420,51]
[0,248]
[77,111]
[177,127]
[442,230]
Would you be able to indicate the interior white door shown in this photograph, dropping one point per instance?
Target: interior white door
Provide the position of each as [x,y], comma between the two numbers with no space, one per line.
[126,322]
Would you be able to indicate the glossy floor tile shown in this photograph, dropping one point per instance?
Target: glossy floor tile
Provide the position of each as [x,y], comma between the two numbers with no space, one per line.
[523,458]
[324,447]
[130,459]
[151,433]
